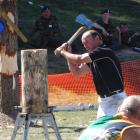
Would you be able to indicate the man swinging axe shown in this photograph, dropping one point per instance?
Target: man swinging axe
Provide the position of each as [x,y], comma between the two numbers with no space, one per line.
[104,66]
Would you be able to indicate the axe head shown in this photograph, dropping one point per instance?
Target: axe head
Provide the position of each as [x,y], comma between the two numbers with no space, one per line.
[82,19]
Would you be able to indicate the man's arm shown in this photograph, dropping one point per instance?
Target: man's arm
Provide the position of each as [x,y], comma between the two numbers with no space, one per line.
[76,58]
[118,33]
[76,62]
[78,70]
[131,134]
[56,28]
[65,51]
[96,25]
[34,28]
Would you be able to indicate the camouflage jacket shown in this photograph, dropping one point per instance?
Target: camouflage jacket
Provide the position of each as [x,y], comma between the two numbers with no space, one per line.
[110,29]
[46,27]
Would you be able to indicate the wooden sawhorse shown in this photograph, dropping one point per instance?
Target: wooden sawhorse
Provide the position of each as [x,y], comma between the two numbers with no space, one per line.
[24,119]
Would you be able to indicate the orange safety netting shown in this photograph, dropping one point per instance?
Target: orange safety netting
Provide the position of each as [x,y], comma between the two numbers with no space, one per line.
[66,89]
[131,74]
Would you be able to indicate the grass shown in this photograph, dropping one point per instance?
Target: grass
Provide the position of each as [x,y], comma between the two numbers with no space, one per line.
[66,11]
[70,124]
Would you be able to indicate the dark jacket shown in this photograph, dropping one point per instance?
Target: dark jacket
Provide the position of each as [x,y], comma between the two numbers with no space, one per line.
[110,29]
[48,27]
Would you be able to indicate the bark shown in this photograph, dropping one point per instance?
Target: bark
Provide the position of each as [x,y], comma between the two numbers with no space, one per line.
[34,81]
[9,95]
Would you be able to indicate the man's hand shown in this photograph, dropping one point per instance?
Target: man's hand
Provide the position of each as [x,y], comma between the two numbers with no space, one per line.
[58,50]
[105,33]
[118,29]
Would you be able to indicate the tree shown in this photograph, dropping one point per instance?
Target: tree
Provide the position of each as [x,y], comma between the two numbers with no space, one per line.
[9,95]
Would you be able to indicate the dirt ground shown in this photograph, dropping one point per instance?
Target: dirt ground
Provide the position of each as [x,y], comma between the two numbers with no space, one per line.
[5,120]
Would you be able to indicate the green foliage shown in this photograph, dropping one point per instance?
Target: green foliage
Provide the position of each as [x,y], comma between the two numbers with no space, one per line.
[66,11]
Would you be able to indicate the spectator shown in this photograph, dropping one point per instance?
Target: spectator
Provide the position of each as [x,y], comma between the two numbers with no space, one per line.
[107,25]
[110,39]
[46,32]
[134,40]
[105,68]
[123,126]
[124,34]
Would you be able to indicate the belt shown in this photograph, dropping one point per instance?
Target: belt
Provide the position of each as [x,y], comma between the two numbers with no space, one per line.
[112,93]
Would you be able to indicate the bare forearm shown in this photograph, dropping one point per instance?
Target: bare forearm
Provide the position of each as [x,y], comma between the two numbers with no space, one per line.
[78,69]
[96,25]
[74,58]
[73,68]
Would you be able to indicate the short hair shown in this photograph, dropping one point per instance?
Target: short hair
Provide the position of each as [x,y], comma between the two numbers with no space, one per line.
[103,11]
[130,105]
[94,34]
[45,8]
[122,23]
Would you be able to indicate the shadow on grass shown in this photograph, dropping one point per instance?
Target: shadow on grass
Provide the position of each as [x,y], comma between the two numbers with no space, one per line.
[75,129]
[68,129]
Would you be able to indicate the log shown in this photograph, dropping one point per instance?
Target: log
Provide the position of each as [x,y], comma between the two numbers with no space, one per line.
[34,73]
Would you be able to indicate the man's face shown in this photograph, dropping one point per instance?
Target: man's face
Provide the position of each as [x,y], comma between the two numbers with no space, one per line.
[106,15]
[89,42]
[124,28]
[46,13]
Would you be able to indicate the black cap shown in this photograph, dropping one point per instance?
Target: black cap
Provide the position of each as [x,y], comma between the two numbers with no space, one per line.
[44,8]
[105,11]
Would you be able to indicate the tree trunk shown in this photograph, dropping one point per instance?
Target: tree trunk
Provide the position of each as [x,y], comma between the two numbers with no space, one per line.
[9,95]
[34,81]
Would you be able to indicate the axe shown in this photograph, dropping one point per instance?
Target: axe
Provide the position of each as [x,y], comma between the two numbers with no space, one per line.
[82,19]
[72,38]
[76,34]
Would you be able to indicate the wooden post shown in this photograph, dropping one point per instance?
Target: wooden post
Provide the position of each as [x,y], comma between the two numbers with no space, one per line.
[34,81]
[9,92]
[14,27]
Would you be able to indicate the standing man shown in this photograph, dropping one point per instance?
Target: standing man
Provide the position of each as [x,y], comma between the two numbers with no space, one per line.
[124,34]
[107,25]
[46,31]
[112,37]
[105,68]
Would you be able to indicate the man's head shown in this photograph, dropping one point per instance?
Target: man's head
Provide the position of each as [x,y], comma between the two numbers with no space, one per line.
[105,13]
[131,108]
[123,27]
[46,12]
[91,40]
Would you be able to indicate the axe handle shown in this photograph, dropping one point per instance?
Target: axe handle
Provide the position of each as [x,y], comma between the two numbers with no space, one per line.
[70,41]
[76,34]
